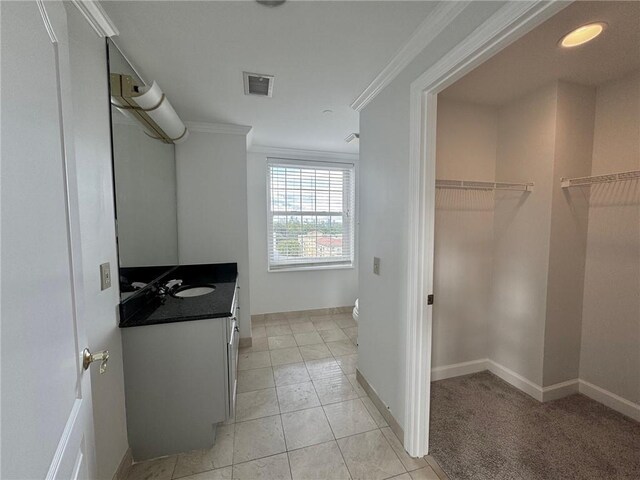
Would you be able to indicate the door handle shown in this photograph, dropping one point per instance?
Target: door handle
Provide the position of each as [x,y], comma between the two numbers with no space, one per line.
[88,358]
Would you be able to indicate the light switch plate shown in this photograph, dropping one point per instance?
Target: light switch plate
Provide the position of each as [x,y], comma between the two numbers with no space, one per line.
[376,265]
[105,276]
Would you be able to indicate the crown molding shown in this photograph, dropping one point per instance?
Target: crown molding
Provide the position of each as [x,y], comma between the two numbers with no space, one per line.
[47,21]
[97,17]
[227,128]
[303,154]
[249,140]
[511,21]
[437,20]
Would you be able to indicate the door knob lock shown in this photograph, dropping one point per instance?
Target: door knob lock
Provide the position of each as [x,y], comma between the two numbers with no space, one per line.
[88,358]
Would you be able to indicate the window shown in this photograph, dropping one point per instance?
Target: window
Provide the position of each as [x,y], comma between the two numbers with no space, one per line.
[310,214]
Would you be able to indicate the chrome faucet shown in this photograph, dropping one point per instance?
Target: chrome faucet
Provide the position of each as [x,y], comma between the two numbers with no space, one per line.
[163,290]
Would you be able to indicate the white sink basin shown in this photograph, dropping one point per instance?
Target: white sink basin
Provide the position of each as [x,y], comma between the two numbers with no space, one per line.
[193,291]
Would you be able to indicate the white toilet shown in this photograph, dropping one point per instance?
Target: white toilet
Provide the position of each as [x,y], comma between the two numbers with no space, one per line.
[355,311]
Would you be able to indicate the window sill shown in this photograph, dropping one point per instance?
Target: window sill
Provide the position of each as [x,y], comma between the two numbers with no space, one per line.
[308,268]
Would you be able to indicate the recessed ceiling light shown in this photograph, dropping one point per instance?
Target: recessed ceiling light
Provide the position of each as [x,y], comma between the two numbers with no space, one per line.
[353,138]
[582,35]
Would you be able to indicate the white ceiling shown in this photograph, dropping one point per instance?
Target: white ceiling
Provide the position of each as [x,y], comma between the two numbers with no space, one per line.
[535,59]
[323,54]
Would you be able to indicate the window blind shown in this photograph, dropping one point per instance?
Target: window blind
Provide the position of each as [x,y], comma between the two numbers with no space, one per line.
[310,214]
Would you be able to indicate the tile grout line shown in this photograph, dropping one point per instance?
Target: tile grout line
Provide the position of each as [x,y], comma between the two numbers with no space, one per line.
[333,357]
[284,437]
[333,433]
[288,451]
[344,460]
[286,447]
[304,408]
[335,439]
[307,446]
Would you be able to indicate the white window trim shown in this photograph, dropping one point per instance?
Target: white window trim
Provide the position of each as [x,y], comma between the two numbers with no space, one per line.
[311,266]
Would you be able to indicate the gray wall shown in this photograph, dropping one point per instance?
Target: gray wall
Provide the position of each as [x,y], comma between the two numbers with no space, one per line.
[93,160]
[551,319]
[610,355]
[212,206]
[288,291]
[145,172]
[466,145]
[526,142]
[384,179]
[567,248]
[516,260]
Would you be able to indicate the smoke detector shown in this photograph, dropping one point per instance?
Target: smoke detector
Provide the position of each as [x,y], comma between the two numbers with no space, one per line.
[258,84]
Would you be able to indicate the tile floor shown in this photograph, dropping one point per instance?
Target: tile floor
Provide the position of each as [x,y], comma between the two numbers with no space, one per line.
[300,414]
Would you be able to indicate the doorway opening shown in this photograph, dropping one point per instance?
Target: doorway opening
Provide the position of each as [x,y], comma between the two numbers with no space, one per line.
[531,172]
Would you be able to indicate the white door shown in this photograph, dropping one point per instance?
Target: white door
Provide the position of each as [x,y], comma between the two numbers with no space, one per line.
[46,395]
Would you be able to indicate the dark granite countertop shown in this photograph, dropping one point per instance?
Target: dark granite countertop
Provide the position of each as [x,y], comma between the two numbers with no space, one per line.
[148,308]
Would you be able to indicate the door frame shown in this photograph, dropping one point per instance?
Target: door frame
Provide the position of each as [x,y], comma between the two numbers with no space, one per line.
[504,27]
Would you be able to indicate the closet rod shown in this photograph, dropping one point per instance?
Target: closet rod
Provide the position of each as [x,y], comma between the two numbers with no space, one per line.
[611,177]
[472,185]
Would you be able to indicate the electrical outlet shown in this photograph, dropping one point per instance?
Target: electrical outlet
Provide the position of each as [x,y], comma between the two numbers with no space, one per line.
[105,276]
[376,265]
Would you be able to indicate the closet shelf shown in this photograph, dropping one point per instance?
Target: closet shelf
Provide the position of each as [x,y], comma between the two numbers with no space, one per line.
[611,177]
[472,185]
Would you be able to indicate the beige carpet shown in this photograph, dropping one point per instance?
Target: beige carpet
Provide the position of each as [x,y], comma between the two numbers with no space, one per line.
[483,428]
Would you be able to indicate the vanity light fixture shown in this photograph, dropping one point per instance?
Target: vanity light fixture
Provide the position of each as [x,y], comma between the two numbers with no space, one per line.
[353,138]
[149,106]
[582,35]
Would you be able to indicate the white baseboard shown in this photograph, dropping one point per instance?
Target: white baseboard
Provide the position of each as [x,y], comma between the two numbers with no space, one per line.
[559,390]
[611,400]
[125,465]
[542,394]
[381,406]
[458,369]
[515,379]
[474,366]
[509,376]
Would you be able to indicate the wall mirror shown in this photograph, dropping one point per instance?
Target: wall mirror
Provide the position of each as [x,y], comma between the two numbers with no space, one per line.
[144,170]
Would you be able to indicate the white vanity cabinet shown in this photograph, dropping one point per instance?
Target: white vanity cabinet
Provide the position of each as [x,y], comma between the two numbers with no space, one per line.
[180,382]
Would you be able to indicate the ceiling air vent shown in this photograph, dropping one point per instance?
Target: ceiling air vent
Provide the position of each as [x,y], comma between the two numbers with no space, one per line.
[258,84]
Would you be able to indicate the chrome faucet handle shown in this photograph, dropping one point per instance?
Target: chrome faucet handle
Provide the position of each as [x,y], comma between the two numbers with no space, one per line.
[172,283]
